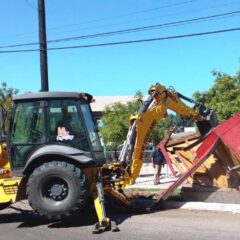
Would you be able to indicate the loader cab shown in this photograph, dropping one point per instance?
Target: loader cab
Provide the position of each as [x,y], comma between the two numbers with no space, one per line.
[51,121]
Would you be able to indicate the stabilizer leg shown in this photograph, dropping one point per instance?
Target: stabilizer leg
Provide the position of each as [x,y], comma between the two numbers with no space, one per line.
[104,223]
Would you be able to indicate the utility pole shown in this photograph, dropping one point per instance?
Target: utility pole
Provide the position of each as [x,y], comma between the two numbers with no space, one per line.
[43,45]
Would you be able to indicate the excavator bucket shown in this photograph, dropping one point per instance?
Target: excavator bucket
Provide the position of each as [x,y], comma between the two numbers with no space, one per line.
[210,121]
[225,135]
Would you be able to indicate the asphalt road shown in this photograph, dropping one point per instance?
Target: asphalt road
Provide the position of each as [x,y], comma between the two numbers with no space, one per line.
[169,224]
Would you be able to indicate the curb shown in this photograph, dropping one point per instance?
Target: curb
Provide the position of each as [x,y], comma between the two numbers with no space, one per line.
[219,207]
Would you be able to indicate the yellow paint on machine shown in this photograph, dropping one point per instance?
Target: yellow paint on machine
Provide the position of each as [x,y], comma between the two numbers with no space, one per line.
[9,189]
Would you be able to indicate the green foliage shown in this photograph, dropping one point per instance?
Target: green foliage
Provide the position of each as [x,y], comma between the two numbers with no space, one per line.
[163,126]
[180,123]
[223,96]
[6,94]
[116,121]
[160,130]
[5,99]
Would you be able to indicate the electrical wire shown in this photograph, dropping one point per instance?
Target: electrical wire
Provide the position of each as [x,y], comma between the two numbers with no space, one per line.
[127,22]
[130,13]
[26,35]
[128,42]
[30,5]
[132,30]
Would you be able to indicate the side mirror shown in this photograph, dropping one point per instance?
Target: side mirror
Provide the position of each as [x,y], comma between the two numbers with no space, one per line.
[98,124]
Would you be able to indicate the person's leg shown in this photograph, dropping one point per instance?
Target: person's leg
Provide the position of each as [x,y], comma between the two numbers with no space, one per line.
[158,172]
[155,174]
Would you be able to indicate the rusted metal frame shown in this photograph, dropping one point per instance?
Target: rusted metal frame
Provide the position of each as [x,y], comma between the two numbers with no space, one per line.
[199,160]
[167,158]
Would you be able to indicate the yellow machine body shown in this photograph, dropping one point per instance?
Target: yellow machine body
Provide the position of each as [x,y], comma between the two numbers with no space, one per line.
[110,179]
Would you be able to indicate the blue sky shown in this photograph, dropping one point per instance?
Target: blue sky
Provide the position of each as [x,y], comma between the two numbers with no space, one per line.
[185,63]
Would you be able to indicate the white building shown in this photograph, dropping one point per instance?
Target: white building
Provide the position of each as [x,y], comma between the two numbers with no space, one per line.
[102,101]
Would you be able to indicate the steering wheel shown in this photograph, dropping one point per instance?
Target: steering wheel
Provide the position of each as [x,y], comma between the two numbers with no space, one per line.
[35,133]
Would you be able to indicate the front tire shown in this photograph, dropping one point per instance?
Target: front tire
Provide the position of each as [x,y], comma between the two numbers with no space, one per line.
[57,189]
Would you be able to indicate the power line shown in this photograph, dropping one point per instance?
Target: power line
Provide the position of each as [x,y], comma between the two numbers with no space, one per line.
[126,22]
[30,5]
[131,30]
[129,42]
[24,35]
[113,17]
[131,13]
[145,28]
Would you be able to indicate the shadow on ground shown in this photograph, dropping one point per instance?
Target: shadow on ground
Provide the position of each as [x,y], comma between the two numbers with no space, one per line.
[88,217]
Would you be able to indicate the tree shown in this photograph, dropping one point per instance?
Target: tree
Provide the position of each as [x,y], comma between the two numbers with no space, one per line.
[116,121]
[160,130]
[179,122]
[164,124]
[223,96]
[6,94]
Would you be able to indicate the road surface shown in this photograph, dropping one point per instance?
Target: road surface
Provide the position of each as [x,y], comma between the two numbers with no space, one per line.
[169,224]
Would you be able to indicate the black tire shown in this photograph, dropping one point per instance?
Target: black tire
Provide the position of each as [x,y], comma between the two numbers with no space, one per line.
[57,189]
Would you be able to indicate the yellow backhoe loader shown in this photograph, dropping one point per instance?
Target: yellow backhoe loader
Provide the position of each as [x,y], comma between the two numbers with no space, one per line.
[52,154]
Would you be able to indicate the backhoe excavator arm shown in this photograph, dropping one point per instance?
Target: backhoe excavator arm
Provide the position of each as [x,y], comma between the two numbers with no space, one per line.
[155,108]
[115,176]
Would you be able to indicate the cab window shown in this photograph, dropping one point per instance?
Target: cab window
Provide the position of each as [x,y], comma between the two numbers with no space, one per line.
[28,124]
[65,125]
[27,131]
[92,130]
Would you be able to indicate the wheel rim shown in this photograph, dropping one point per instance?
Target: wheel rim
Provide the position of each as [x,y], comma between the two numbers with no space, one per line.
[54,190]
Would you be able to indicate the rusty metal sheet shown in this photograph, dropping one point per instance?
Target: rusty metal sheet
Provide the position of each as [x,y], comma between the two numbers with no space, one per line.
[203,152]
[229,132]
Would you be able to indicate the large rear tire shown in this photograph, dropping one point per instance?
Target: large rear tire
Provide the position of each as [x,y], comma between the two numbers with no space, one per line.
[57,189]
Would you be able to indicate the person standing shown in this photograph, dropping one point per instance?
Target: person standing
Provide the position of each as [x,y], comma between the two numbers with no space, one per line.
[158,161]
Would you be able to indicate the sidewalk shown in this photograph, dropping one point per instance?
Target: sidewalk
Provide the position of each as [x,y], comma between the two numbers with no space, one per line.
[145,183]
[145,179]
